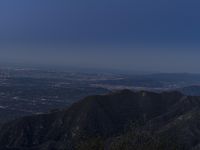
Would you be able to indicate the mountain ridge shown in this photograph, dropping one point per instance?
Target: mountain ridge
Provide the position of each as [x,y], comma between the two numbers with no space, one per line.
[103,116]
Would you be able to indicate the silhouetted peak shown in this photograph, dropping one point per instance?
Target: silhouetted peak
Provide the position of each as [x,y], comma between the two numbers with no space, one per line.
[98,115]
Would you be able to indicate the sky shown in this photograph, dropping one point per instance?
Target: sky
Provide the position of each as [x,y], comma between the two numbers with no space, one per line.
[143,35]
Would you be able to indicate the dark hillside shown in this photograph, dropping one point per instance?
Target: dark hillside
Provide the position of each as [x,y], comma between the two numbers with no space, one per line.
[106,116]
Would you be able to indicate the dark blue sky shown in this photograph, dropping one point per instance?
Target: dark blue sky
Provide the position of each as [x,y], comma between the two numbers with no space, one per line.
[33,26]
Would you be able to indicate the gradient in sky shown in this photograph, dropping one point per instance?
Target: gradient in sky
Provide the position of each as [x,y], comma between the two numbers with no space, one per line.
[152,35]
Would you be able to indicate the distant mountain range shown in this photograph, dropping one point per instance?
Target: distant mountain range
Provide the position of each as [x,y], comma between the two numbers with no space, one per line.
[167,120]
